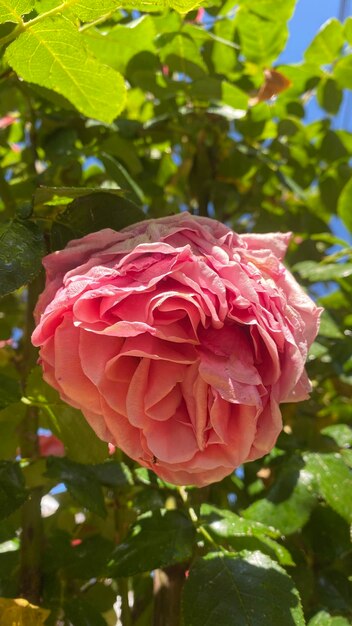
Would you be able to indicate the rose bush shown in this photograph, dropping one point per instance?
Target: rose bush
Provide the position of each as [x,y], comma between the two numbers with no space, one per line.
[178,339]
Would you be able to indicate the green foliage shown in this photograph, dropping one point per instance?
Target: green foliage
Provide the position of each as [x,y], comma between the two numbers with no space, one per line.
[108,117]
[157,539]
[12,488]
[249,586]
[51,54]
[22,248]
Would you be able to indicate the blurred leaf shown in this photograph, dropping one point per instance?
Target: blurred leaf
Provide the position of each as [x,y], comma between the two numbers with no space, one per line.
[157,539]
[10,391]
[347,29]
[261,40]
[80,481]
[270,9]
[181,54]
[316,272]
[326,44]
[59,61]
[19,612]
[249,586]
[88,558]
[117,47]
[328,327]
[344,207]
[341,433]
[290,500]
[81,613]
[335,481]
[324,619]
[21,252]
[343,72]
[328,536]
[68,424]
[12,488]
[329,95]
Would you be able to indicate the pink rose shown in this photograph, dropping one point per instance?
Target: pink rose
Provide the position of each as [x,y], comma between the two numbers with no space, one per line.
[177,339]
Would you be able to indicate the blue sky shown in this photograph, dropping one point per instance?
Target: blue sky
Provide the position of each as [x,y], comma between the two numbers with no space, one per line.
[308,17]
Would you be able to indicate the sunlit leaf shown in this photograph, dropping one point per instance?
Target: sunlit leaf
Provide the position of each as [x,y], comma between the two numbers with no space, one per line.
[12,10]
[51,53]
[249,586]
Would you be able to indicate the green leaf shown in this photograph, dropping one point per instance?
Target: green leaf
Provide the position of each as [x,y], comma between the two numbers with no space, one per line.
[181,54]
[261,40]
[81,613]
[12,488]
[344,206]
[243,534]
[113,474]
[343,72]
[51,53]
[316,272]
[12,10]
[270,9]
[329,95]
[87,12]
[93,212]
[217,90]
[328,327]
[117,47]
[340,433]
[10,419]
[10,391]
[250,588]
[157,539]
[290,500]
[80,481]
[21,252]
[324,619]
[182,6]
[335,481]
[347,29]
[88,559]
[327,44]
[121,176]
[328,536]
[68,424]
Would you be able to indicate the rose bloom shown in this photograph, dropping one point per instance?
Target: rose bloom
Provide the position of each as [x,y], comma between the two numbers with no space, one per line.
[177,339]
